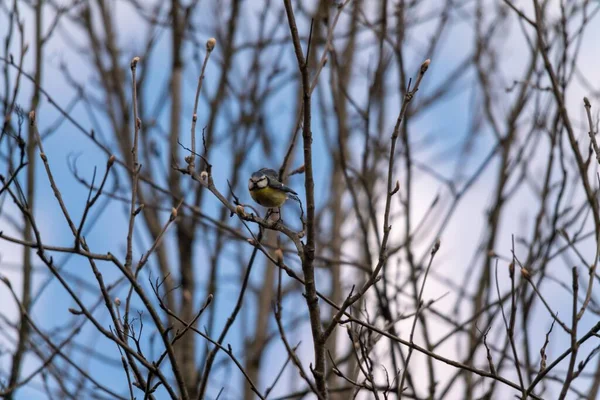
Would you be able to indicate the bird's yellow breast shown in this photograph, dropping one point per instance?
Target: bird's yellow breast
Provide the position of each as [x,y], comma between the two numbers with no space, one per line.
[269,197]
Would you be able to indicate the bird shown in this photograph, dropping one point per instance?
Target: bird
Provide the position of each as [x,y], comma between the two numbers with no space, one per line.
[266,190]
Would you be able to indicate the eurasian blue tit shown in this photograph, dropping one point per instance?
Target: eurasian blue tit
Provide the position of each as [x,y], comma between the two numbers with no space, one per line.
[267,191]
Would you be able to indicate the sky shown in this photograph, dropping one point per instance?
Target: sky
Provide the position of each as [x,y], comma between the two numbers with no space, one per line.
[444,125]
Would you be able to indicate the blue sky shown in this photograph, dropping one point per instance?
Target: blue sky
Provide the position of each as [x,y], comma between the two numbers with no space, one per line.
[442,128]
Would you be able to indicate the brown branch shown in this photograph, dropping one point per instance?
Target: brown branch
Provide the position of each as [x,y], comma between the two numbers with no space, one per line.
[310,294]
[574,346]
[434,250]
[137,122]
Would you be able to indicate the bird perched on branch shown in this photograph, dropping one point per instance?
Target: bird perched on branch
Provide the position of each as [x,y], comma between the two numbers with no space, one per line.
[266,190]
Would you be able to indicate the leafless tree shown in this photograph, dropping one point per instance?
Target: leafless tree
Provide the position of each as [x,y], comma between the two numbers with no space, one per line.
[448,233]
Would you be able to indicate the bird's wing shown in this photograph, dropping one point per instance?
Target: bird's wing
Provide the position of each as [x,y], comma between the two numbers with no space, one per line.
[275,184]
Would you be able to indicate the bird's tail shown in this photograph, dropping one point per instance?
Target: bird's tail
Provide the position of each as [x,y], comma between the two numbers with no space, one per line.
[296,198]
